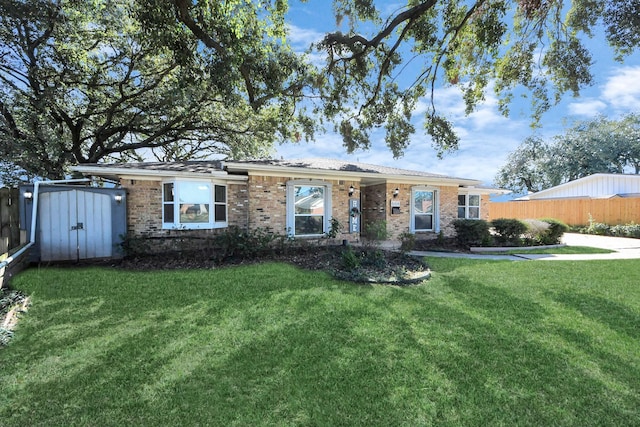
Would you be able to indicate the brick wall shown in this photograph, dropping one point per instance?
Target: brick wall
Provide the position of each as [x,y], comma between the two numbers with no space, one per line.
[237,204]
[261,203]
[448,209]
[377,201]
[373,204]
[398,223]
[484,207]
[144,208]
[268,206]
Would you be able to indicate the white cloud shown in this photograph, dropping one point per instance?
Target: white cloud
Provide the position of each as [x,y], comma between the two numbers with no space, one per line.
[588,107]
[622,90]
[302,38]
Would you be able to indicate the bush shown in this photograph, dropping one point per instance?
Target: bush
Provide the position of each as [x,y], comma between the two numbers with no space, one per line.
[350,260]
[237,243]
[472,232]
[374,233]
[374,258]
[133,245]
[407,242]
[335,228]
[626,230]
[536,229]
[599,228]
[508,231]
[554,233]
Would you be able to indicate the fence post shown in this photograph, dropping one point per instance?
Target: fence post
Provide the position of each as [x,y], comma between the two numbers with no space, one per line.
[9,219]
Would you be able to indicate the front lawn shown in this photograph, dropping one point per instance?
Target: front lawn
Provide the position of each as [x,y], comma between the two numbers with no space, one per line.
[481,343]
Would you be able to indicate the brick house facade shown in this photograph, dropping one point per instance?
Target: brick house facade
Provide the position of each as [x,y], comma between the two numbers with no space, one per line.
[295,197]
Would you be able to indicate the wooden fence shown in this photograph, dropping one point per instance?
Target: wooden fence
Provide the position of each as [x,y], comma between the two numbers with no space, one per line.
[611,211]
[9,220]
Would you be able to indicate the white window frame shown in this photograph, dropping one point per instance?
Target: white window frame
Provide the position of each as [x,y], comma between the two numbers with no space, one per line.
[175,206]
[436,210]
[291,215]
[467,206]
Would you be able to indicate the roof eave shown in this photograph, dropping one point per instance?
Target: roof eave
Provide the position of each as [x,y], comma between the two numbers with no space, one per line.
[126,173]
[357,176]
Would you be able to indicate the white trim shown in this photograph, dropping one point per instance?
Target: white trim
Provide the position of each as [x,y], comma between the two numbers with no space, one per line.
[436,209]
[290,205]
[154,175]
[300,173]
[466,206]
[212,224]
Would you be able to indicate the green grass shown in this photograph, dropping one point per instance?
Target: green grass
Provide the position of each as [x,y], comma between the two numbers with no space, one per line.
[482,343]
[562,250]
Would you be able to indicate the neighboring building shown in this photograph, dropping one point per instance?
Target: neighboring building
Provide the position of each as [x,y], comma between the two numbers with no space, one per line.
[602,197]
[596,186]
[296,197]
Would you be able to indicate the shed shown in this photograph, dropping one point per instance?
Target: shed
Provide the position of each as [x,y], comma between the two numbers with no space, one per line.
[73,222]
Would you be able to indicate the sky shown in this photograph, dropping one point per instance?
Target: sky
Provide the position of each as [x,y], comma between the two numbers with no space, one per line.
[486,137]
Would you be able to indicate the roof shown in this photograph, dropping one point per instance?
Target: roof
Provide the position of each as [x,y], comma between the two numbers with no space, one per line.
[599,185]
[186,169]
[303,168]
[330,165]
[364,172]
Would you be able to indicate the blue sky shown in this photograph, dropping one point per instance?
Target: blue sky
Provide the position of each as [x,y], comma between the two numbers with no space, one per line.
[486,137]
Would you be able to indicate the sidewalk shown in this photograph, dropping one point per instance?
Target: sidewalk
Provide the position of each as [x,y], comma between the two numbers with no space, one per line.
[624,248]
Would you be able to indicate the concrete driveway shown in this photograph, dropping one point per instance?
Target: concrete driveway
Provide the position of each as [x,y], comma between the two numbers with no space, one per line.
[624,248]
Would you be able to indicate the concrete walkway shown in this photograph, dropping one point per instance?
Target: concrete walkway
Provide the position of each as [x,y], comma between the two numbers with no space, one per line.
[624,248]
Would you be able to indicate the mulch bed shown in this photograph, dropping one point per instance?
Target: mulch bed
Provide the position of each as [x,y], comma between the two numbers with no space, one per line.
[375,266]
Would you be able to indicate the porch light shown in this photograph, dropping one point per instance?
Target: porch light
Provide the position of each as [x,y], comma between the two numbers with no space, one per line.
[28,195]
[351,190]
[396,192]
[118,198]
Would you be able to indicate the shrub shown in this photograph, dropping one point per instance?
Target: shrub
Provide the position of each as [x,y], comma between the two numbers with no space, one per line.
[133,245]
[335,228]
[598,228]
[626,230]
[350,260]
[407,242]
[508,231]
[237,243]
[535,231]
[554,233]
[374,233]
[374,258]
[472,232]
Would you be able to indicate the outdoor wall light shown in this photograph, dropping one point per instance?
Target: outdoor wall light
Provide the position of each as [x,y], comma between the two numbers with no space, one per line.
[351,190]
[118,198]
[396,192]
[28,195]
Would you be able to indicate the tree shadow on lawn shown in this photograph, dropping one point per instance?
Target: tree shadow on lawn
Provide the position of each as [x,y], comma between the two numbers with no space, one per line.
[616,316]
[270,352]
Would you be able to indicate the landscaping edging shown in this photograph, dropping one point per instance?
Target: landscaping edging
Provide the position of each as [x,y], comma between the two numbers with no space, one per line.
[514,248]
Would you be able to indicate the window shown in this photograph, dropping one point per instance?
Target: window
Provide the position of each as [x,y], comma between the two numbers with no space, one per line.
[469,206]
[308,208]
[423,210]
[194,205]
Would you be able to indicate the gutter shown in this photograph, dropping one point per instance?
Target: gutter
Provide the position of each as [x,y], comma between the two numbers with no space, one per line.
[152,174]
[34,217]
[298,172]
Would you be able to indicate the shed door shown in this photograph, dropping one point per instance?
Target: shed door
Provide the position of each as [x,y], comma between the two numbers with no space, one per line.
[74,225]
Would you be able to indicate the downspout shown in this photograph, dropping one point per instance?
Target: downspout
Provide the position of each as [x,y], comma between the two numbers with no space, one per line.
[34,216]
